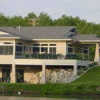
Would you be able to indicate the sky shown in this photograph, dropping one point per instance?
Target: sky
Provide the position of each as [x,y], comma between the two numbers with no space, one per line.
[85,9]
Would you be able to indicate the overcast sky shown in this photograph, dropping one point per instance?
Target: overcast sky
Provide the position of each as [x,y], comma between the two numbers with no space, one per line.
[85,9]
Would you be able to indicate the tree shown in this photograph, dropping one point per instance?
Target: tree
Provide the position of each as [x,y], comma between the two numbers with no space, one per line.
[44,20]
[64,21]
[31,16]
[3,20]
[18,20]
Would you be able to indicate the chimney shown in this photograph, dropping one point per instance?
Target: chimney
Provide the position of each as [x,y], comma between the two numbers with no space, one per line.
[19,28]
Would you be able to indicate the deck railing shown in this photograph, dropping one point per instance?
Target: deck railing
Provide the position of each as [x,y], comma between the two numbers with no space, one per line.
[20,55]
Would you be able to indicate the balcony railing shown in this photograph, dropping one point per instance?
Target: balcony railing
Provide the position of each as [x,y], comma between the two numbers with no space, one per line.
[20,55]
[39,56]
[78,56]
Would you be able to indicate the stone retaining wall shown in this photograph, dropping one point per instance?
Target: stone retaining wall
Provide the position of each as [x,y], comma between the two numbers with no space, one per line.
[58,75]
[33,76]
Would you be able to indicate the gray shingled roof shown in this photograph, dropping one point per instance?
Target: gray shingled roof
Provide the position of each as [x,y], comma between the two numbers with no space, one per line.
[55,32]
[30,33]
[86,37]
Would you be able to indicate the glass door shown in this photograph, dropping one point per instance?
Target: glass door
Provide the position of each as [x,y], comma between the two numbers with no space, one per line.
[6,75]
[20,75]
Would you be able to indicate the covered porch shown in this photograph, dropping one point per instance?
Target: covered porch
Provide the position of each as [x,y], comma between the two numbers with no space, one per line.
[39,74]
[19,74]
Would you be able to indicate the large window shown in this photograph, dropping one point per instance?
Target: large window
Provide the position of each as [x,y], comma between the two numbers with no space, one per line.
[20,75]
[6,50]
[86,50]
[27,49]
[70,49]
[36,48]
[6,75]
[19,49]
[52,49]
[44,48]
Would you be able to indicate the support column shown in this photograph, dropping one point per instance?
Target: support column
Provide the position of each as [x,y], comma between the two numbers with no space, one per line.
[13,74]
[75,70]
[0,74]
[13,67]
[97,56]
[43,81]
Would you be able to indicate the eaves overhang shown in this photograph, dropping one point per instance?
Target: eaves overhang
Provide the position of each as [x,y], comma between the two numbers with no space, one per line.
[53,39]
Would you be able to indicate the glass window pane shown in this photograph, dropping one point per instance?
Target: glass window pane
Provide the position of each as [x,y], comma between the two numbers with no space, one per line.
[1,50]
[6,50]
[19,48]
[36,44]
[7,43]
[44,50]
[10,49]
[36,49]
[85,50]
[52,44]
[52,50]
[44,44]
[70,50]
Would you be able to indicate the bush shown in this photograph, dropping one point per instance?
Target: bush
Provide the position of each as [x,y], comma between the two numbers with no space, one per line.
[48,89]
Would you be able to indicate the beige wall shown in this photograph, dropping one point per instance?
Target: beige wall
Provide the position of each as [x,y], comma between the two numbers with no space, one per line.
[6,59]
[61,48]
[7,40]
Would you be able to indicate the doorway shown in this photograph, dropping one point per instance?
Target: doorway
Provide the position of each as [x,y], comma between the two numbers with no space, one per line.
[19,75]
[6,75]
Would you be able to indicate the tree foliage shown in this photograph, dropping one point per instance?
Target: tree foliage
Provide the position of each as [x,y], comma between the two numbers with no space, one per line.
[44,19]
[31,15]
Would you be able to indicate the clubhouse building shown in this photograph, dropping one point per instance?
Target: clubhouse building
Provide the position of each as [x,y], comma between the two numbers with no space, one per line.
[39,55]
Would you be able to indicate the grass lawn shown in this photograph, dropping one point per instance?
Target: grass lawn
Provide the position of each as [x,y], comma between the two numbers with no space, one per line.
[92,77]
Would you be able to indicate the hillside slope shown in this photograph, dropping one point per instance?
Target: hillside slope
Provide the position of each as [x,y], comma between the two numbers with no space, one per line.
[92,77]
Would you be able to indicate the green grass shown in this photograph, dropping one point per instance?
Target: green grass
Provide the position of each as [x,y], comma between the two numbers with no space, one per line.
[92,77]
